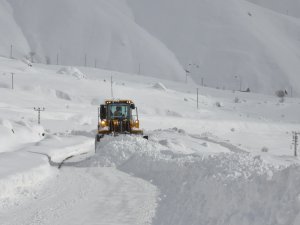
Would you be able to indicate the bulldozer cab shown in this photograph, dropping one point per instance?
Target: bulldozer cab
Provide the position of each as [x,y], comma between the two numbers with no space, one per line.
[118,111]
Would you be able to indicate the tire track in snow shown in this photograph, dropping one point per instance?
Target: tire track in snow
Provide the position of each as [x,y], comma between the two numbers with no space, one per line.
[229,146]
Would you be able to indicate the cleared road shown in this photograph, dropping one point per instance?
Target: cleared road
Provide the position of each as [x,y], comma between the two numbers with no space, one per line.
[89,196]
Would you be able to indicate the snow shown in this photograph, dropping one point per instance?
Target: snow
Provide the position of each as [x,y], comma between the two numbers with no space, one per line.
[226,164]
[229,161]
[11,33]
[73,71]
[93,33]
[289,7]
[77,204]
[159,86]
[238,43]
[18,133]
[225,43]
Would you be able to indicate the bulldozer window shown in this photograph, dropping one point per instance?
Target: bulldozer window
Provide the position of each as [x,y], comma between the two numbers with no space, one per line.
[117,111]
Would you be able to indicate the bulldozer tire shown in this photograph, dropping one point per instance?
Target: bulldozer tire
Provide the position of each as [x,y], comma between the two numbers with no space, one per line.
[97,139]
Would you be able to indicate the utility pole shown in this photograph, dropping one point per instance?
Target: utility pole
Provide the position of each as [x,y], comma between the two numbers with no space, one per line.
[12,81]
[240,81]
[95,63]
[186,76]
[85,60]
[202,81]
[39,110]
[11,51]
[111,87]
[295,142]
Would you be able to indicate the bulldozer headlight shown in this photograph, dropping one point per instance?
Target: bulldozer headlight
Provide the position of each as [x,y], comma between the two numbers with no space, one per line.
[137,124]
[103,123]
[116,122]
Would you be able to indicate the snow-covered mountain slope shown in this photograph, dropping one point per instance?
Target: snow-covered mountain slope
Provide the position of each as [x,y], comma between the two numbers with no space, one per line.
[11,33]
[228,42]
[74,32]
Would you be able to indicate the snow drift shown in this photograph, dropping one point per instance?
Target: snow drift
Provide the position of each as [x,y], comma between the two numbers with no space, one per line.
[221,189]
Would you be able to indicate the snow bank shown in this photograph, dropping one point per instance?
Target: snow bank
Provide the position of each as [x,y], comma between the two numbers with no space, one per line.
[60,148]
[222,189]
[14,133]
[21,175]
[72,71]
[159,86]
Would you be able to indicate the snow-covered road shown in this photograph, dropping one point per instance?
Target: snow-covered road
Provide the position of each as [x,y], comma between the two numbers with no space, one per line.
[87,196]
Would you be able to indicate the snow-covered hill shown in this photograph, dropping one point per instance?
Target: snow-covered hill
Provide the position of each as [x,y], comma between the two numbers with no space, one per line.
[228,42]
[93,32]
[11,33]
[228,162]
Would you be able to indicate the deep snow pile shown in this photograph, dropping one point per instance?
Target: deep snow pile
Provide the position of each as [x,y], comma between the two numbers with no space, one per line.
[73,71]
[15,133]
[159,86]
[21,175]
[219,189]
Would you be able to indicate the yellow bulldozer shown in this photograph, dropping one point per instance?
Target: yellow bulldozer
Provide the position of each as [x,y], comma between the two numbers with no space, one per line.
[116,117]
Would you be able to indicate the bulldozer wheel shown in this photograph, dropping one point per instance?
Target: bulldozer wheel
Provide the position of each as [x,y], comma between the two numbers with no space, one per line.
[97,139]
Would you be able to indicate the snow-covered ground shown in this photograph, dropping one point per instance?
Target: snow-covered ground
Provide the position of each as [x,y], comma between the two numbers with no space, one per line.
[228,162]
